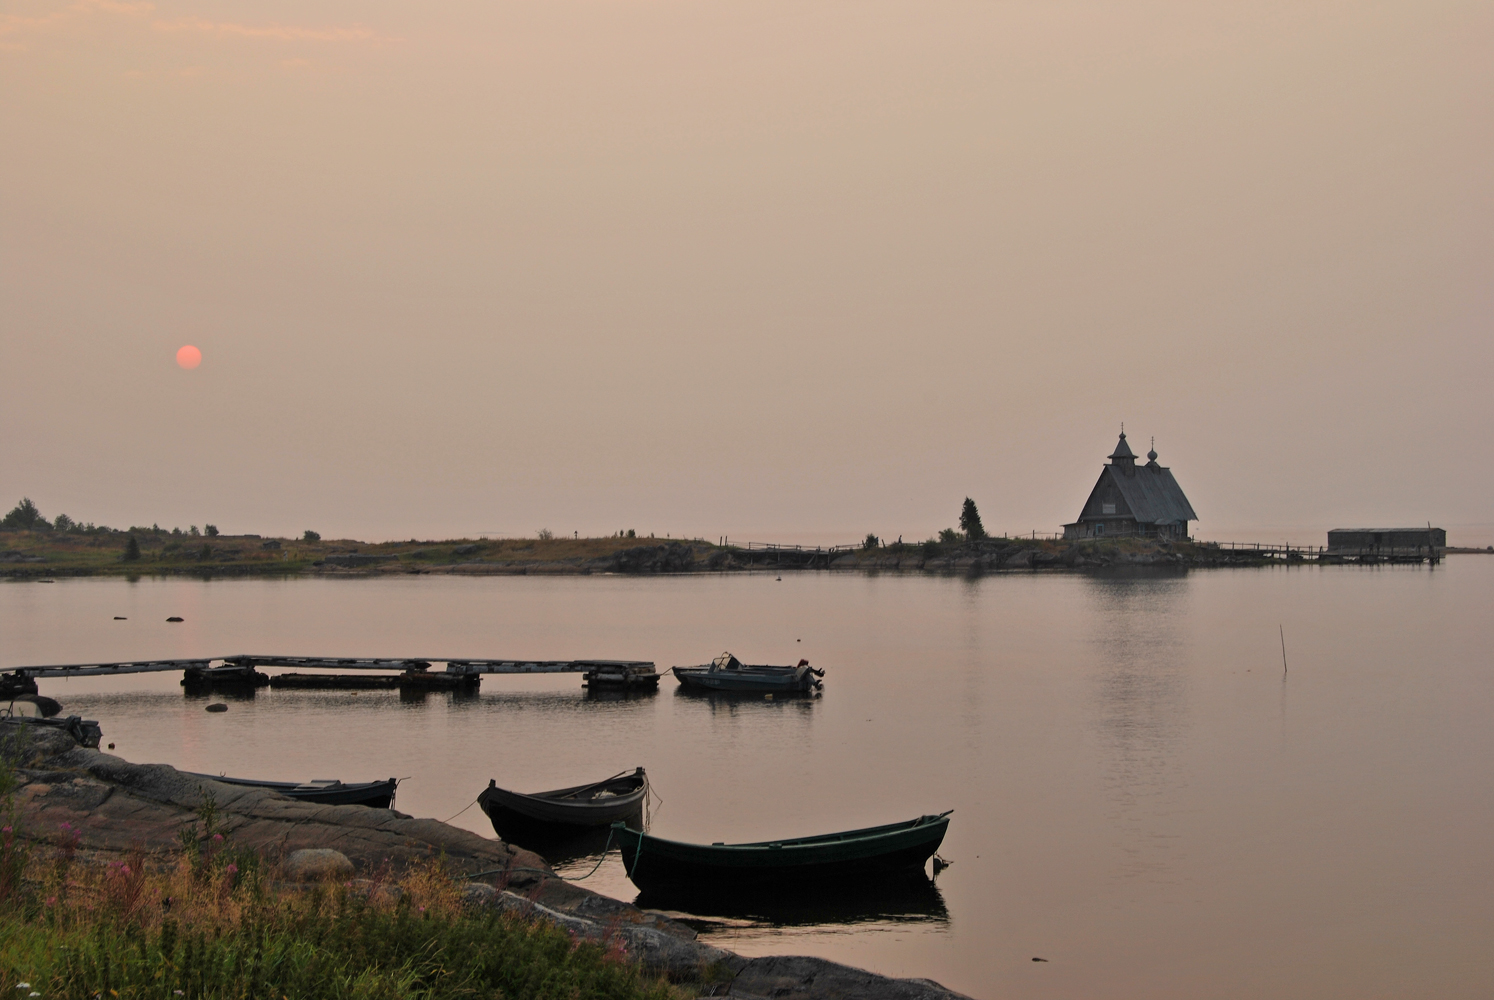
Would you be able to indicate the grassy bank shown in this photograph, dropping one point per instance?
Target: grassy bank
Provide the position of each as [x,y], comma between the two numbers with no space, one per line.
[215,922]
[39,554]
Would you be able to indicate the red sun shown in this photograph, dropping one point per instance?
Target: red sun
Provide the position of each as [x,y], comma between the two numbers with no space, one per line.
[189,356]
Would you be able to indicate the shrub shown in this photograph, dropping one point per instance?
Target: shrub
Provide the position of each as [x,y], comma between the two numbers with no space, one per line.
[25,517]
[64,523]
[949,536]
[132,550]
[871,541]
[211,530]
[545,534]
[311,536]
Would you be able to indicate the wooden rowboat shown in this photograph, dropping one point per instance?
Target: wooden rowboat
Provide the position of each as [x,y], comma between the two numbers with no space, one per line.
[327,792]
[541,815]
[655,864]
[727,673]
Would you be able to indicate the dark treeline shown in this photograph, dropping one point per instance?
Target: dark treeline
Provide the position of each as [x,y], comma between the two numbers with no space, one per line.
[26,516]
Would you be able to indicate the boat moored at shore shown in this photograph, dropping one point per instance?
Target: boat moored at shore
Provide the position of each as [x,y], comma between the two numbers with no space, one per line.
[323,791]
[656,864]
[561,812]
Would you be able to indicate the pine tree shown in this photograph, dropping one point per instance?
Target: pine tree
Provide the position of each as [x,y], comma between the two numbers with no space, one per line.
[132,550]
[970,521]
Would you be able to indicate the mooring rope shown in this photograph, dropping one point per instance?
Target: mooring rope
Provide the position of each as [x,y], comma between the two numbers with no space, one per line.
[464,808]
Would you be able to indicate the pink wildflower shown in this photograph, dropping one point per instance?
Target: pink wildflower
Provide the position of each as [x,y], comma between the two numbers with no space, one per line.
[51,900]
[232,869]
[218,837]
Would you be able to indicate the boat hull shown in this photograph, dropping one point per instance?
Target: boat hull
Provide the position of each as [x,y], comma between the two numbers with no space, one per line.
[526,818]
[657,865]
[373,794]
[784,680]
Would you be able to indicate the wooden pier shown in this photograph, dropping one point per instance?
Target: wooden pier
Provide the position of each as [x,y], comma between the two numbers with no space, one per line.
[459,674]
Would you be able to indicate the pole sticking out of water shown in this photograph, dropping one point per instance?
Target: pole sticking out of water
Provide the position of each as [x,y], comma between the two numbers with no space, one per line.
[1282,630]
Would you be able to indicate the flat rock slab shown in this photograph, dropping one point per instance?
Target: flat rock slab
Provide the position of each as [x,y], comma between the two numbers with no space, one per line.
[117,807]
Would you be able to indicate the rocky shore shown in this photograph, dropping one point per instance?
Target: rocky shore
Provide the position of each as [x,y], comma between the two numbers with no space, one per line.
[35,556]
[118,807]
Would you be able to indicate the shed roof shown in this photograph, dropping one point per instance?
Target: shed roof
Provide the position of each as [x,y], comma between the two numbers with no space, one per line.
[1152,494]
[1423,529]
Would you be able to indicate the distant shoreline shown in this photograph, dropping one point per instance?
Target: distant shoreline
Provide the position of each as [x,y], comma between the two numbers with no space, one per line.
[28,555]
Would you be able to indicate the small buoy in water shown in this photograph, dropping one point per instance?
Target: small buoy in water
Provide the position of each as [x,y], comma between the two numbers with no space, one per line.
[1040,960]
[174,618]
[767,697]
[217,706]
[120,618]
[778,579]
[111,746]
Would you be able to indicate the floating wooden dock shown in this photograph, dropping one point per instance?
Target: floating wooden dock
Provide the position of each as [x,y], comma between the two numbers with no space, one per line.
[403,673]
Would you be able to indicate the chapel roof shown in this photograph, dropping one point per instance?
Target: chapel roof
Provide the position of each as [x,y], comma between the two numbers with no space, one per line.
[1152,495]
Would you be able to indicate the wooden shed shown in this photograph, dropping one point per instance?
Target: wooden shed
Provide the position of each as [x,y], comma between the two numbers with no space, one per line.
[1386,541]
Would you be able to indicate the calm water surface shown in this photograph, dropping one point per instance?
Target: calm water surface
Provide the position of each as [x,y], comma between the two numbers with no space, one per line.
[1140,796]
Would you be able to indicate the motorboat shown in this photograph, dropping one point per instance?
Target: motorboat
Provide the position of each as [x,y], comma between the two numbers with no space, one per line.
[727,673]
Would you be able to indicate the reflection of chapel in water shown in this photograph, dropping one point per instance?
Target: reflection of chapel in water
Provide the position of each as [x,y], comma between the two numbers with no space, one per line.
[1133,501]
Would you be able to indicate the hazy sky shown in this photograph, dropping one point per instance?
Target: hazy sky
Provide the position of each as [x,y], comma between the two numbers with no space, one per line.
[778,270]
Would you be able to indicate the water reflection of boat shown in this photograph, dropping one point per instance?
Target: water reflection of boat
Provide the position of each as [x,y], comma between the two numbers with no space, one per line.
[599,693]
[654,863]
[30,706]
[908,897]
[327,792]
[530,819]
[727,673]
[566,847]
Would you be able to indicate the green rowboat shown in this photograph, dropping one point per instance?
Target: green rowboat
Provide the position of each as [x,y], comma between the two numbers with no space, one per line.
[654,863]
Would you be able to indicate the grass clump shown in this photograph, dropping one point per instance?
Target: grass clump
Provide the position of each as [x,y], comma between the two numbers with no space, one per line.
[328,944]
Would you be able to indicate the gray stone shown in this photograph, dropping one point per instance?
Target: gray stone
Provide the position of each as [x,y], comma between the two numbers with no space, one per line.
[311,864]
[804,978]
[479,894]
[678,958]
